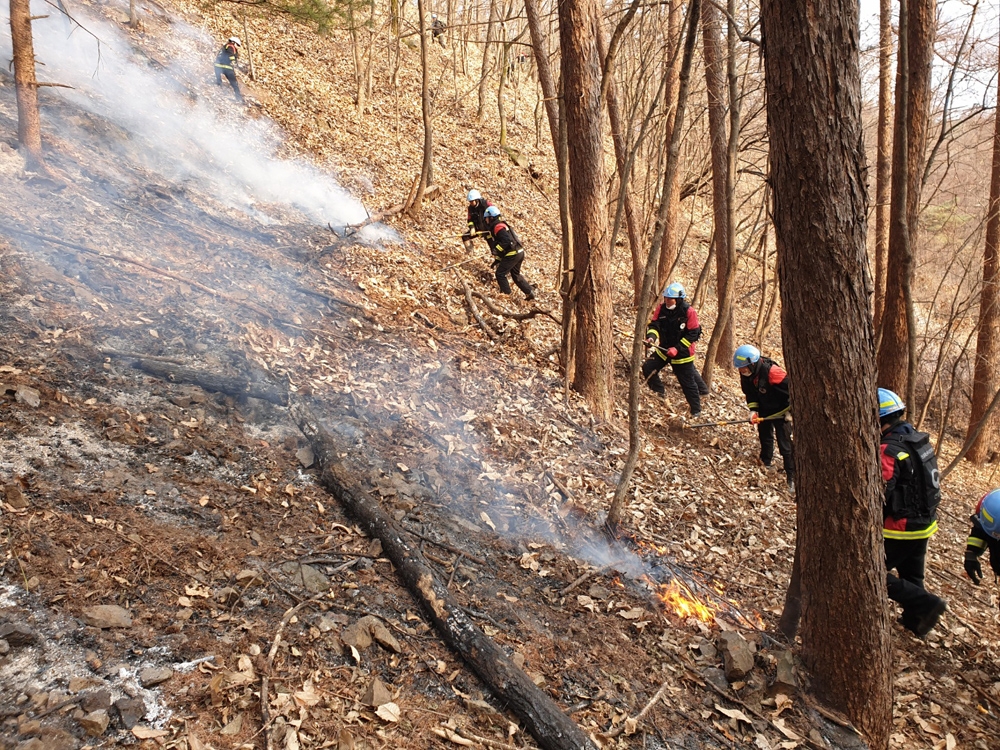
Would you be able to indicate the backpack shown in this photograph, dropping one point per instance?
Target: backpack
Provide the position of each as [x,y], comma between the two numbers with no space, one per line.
[517,240]
[918,487]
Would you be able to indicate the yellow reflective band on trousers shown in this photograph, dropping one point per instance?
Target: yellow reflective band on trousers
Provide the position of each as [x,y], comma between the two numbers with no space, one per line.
[224,67]
[681,361]
[922,534]
[975,541]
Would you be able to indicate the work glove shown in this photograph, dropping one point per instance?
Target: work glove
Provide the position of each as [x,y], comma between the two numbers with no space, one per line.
[495,263]
[754,417]
[672,352]
[972,567]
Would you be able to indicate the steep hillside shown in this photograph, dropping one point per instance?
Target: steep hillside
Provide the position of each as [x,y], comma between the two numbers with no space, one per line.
[175,573]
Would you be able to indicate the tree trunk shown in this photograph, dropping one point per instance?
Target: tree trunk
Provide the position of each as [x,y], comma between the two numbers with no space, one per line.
[670,239]
[426,168]
[591,290]
[548,724]
[487,61]
[883,165]
[986,380]
[916,48]
[649,278]
[820,204]
[29,128]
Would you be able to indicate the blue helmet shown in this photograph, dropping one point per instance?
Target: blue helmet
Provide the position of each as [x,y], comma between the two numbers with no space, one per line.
[889,403]
[988,513]
[746,356]
[491,211]
[674,291]
[474,195]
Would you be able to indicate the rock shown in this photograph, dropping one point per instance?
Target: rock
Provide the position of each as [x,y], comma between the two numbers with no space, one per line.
[227,596]
[131,711]
[307,576]
[17,635]
[95,723]
[152,676]
[369,628]
[599,592]
[357,635]
[97,700]
[106,616]
[13,495]
[377,694]
[4,647]
[784,679]
[736,655]
[50,738]
[28,395]
[305,457]
[76,684]
[716,677]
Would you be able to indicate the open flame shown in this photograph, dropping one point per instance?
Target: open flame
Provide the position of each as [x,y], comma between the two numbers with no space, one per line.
[679,598]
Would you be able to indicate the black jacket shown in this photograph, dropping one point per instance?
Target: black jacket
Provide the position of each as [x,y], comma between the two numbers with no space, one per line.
[228,57]
[678,329]
[766,388]
[505,241]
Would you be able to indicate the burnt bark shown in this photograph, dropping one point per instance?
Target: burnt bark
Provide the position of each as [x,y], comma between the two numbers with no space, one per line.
[591,289]
[29,128]
[820,203]
[213,381]
[548,724]
[986,378]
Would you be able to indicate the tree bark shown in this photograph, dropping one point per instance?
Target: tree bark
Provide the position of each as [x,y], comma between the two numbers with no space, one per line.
[883,164]
[215,382]
[427,167]
[591,290]
[818,174]
[29,128]
[548,724]
[986,378]
[670,239]
[896,366]
[487,61]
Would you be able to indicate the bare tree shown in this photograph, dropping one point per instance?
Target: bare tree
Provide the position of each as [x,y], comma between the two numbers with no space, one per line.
[883,165]
[591,291]
[29,128]
[820,204]
[426,168]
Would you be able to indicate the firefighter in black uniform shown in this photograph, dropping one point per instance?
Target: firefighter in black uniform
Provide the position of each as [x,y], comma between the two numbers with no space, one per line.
[671,334]
[225,65]
[477,221]
[985,535]
[508,253]
[909,513]
[437,29]
[765,385]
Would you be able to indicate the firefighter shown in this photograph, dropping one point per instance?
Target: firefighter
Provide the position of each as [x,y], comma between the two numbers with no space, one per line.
[670,335]
[437,29]
[477,221]
[225,65]
[765,385]
[508,253]
[909,512]
[985,535]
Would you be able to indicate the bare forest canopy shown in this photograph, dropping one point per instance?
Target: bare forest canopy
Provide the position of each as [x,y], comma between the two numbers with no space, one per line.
[261,402]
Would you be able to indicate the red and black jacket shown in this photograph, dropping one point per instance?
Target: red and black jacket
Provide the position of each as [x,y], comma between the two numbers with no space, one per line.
[899,470]
[678,329]
[766,388]
[505,242]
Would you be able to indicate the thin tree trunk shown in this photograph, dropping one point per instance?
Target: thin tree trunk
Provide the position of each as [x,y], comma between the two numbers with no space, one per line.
[591,290]
[812,69]
[883,164]
[986,378]
[670,238]
[29,127]
[649,277]
[426,168]
[487,61]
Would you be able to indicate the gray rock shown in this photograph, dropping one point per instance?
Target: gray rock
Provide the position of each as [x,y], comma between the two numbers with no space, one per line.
[307,576]
[17,635]
[95,723]
[152,676]
[106,616]
[377,694]
[736,655]
[28,395]
[716,677]
[4,647]
[97,700]
[131,711]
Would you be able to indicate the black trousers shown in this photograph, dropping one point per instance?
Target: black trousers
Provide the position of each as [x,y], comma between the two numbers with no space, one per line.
[231,77]
[687,376]
[767,431]
[511,264]
[907,557]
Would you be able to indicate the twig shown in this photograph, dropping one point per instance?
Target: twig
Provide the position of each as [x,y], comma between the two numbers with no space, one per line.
[642,714]
[532,313]
[982,694]
[493,335]
[577,581]
[449,547]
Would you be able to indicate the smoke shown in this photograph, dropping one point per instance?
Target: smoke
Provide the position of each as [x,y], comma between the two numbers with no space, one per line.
[177,124]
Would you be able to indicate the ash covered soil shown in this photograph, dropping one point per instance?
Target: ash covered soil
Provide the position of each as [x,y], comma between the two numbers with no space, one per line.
[169,554]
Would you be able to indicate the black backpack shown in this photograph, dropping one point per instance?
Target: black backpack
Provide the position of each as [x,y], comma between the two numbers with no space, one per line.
[917,493]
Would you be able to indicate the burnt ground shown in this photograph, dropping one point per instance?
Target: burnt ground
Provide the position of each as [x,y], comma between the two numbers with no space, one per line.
[199,514]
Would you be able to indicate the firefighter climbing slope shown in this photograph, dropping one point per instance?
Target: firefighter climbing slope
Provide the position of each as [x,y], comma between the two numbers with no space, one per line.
[225,65]
[912,494]
[508,253]
[765,385]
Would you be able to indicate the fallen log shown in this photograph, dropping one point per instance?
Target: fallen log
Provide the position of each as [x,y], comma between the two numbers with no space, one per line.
[211,381]
[548,724]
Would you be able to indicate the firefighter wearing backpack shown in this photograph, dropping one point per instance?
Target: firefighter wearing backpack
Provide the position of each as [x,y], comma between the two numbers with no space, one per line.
[765,385]
[477,221]
[909,512]
[985,535]
[507,252]
[670,336]
[225,65]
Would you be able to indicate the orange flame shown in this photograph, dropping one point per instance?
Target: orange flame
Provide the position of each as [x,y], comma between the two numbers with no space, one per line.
[682,601]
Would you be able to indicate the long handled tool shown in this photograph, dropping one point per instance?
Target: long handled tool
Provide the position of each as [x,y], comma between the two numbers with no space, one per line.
[732,421]
[460,263]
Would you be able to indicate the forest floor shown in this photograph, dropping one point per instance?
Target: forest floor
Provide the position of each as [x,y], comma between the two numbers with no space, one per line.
[158,534]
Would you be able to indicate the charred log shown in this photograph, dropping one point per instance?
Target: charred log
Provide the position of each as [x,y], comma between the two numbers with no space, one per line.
[548,724]
[212,381]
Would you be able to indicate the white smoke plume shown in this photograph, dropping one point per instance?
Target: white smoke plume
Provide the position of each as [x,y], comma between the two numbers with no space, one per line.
[173,129]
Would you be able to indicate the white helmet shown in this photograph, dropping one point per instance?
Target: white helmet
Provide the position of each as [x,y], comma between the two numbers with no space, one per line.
[474,195]
[235,40]
[434,16]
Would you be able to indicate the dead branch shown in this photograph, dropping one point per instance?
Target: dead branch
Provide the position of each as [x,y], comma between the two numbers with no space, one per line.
[216,382]
[449,547]
[493,335]
[552,729]
[646,709]
[532,313]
